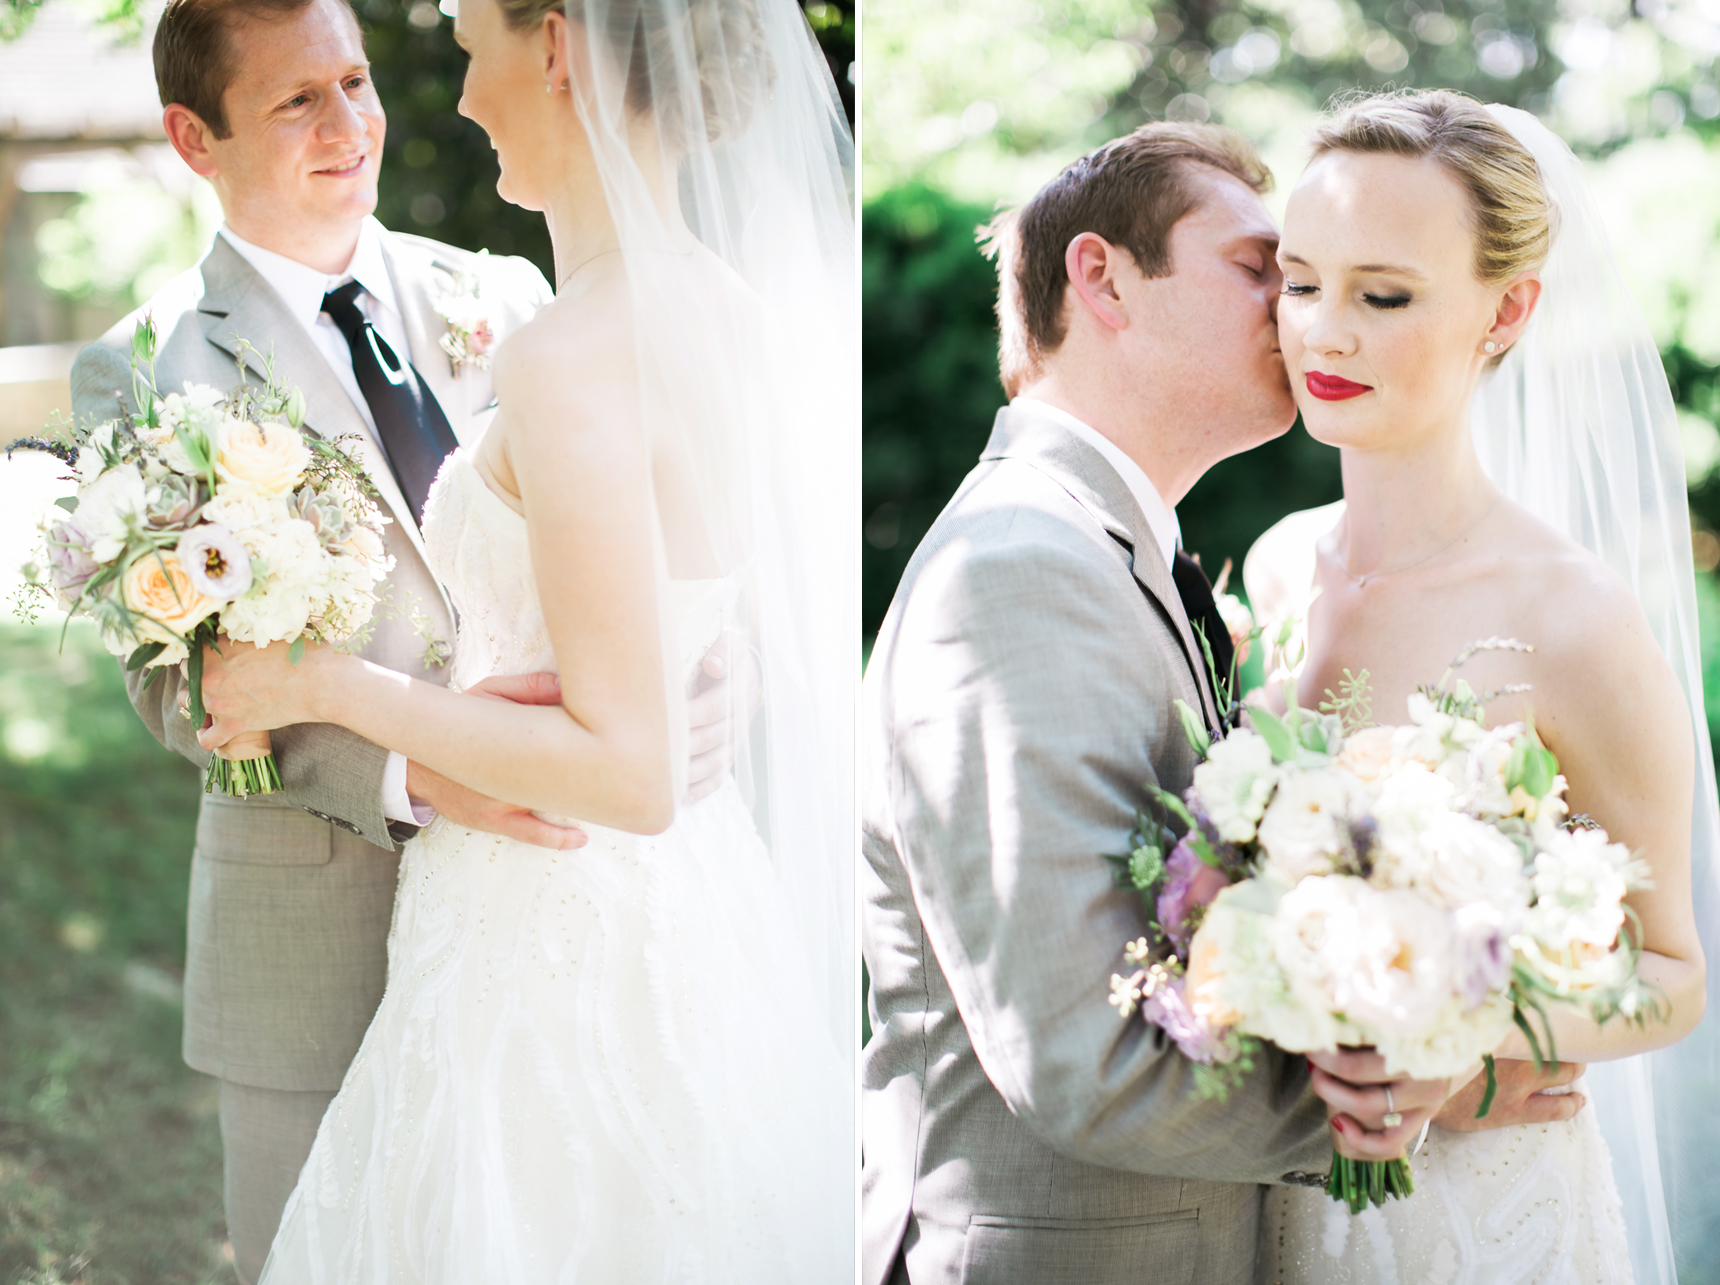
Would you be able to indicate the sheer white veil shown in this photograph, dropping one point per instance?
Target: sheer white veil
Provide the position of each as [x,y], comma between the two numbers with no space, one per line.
[1577,424]
[727,165]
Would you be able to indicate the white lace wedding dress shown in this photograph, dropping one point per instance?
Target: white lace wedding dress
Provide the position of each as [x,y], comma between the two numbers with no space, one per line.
[588,1066]
[1525,1205]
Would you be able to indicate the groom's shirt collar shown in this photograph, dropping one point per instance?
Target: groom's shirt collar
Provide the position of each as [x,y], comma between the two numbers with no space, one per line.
[1161,518]
[302,287]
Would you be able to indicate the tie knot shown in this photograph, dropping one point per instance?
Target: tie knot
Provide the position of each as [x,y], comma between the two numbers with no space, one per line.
[342,310]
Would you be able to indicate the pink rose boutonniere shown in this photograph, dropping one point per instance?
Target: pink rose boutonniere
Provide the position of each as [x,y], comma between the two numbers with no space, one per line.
[470,336]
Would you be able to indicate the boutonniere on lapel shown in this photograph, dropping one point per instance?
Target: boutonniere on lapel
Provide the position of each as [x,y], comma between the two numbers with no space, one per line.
[470,335]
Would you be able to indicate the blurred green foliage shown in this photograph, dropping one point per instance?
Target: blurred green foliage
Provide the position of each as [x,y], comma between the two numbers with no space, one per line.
[110,1163]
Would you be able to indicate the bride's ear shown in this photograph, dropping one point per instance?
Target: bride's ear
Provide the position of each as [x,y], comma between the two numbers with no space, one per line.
[553,49]
[1515,308]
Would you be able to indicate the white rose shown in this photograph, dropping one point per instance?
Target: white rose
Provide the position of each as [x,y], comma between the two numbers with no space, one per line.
[292,576]
[107,506]
[1312,935]
[1305,828]
[1448,1041]
[1459,861]
[270,458]
[1368,753]
[241,509]
[1235,783]
[1401,963]
[1410,796]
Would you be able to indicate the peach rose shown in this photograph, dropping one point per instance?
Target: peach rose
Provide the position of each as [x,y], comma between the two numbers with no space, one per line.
[270,458]
[1369,752]
[156,587]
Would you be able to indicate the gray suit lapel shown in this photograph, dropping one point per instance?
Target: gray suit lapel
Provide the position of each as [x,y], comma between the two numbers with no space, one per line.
[1093,483]
[411,272]
[238,304]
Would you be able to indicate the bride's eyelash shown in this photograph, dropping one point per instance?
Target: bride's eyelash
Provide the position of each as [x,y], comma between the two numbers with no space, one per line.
[1293,290]
[1386,301]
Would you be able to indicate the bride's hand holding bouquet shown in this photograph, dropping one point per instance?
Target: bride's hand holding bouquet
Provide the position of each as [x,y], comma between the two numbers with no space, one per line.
[205,518]
[1391,901]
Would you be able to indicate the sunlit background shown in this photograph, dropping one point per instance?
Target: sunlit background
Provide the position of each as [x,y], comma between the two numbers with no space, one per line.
[110,1169]
[968,106]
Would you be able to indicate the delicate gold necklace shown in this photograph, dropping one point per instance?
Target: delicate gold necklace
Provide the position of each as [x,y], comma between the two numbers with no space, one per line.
[1361,581]
[574,271]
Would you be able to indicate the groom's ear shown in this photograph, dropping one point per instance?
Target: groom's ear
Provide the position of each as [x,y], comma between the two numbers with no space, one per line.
[190,137]
[1516,306]
[1093,264]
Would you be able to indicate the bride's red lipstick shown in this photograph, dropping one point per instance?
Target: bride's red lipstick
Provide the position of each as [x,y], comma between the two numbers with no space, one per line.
[1333,388]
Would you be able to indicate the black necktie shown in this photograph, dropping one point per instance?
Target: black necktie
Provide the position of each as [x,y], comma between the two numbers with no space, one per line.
[414,431]
[1196,593]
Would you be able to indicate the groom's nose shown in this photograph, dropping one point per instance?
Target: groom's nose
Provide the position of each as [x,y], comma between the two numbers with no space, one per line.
[340,120]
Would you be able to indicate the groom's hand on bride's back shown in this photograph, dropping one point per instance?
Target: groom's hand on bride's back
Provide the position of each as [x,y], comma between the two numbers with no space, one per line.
[1522,1097]
[1354,1085]
[727,692]
[465,806]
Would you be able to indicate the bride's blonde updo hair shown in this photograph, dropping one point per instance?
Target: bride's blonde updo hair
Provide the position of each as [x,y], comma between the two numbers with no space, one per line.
[1512,220]
[729,45]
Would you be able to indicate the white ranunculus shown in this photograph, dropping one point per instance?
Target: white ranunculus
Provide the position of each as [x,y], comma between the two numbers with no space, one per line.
[1401,964]
[1579,882]
[1304,829]
[1448,1040]
[107,507]
[1235,783]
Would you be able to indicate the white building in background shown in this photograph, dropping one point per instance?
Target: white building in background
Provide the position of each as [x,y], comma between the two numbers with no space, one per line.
[93,201]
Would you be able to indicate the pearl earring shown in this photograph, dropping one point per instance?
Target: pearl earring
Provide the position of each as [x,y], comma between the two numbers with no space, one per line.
[1489,346]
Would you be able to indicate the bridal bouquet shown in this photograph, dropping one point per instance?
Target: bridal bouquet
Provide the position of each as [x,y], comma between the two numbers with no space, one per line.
[205,514]
[1418,889]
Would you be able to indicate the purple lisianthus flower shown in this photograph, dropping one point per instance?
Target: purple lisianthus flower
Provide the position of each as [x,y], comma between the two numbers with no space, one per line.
[1484,959]
[1167,1008]
[1189,882]
[70,563]
[217,565]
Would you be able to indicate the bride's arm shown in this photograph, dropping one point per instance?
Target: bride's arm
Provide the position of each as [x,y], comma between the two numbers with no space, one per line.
[1609,706]
[603,755]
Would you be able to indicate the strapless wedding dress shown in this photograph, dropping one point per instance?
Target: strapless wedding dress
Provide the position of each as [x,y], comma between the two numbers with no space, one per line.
[1526,1205]
[590,1066]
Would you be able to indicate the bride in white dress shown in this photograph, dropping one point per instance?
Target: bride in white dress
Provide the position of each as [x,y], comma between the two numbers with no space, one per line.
[635,1062]
[1453,321]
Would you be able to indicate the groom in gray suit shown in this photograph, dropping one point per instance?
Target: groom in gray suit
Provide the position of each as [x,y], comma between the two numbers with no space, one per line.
[1018,701]
[291,894]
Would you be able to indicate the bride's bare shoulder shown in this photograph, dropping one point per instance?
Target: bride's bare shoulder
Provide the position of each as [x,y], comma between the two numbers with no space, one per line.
[1279,568]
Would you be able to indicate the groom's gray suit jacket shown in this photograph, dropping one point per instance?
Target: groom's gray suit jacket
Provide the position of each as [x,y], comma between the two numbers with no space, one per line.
[291,894]
[1017,704]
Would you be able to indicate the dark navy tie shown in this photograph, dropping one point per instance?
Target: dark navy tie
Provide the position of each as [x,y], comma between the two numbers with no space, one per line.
[414,431]
[1196,593]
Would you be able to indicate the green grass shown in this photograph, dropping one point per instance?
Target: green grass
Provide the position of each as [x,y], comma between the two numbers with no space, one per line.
[110,1155]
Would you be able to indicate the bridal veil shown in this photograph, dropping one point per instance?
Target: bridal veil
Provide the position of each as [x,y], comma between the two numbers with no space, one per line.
[1577,424]
[727,164]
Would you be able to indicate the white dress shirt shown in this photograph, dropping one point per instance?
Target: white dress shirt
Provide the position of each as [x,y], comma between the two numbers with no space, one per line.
[1161,518]
[302,289]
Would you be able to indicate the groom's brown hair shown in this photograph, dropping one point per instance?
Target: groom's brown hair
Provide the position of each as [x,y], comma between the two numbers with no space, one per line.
[194,57]
[1131,191]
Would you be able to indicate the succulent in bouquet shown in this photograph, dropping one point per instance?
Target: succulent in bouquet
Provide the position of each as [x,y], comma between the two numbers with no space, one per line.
[1418,889]
[214,518]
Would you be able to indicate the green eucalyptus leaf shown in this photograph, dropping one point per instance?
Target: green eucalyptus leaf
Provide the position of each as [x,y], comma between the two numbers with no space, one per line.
[67,502]
[1277,735]
[296,652]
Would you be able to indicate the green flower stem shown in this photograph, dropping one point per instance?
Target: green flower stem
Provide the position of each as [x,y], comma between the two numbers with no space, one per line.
[239,778]
[1360,1183]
